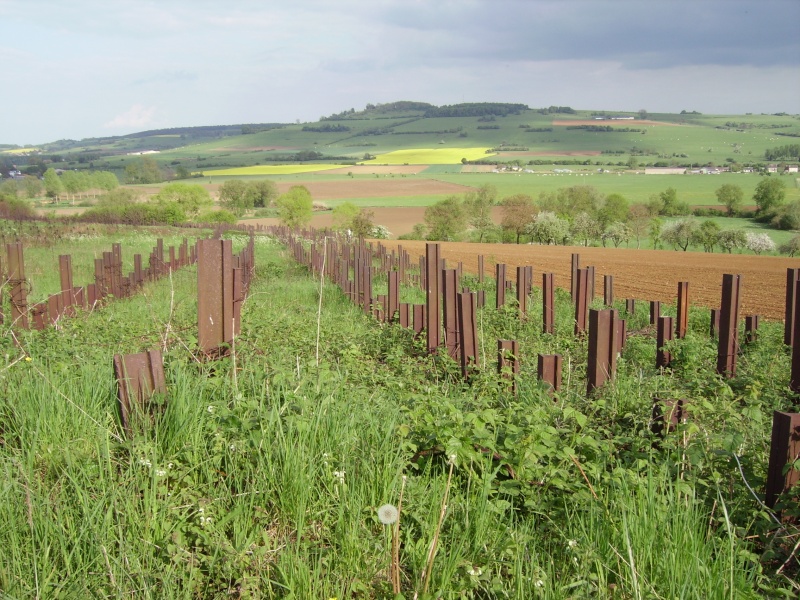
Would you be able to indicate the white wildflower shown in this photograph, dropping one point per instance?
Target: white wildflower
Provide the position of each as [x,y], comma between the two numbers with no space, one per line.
[210,409]
[387,514]
[161,472]
[539,583]
[571,544]
[339,477]
[475,571]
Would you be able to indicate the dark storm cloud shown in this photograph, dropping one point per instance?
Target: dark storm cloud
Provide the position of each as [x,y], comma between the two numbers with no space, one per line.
[637,34]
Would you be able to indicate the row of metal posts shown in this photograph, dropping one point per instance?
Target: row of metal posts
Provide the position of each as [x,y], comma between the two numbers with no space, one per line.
[606,333]
[109,281]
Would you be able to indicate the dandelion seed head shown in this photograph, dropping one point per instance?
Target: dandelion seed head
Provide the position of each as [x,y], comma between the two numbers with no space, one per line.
[387,514]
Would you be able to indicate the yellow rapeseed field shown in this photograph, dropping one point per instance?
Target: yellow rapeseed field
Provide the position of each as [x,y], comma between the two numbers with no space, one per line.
[429,156]
[19,151]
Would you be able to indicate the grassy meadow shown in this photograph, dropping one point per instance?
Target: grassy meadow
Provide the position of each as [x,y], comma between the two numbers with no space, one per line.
[260,475]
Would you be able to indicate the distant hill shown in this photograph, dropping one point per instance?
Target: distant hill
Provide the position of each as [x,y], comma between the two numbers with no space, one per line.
[510,132]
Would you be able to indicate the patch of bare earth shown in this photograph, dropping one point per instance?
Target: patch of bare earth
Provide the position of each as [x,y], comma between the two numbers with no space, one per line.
[640,274]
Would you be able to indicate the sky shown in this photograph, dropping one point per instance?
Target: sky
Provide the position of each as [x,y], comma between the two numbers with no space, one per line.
[95,68]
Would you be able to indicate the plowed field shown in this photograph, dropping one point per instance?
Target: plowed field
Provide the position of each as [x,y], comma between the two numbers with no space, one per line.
[640,274]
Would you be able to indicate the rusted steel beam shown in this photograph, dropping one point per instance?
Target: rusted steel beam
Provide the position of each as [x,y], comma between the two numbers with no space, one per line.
[549,370]
[664,333]
[481,297]
[784,450]
[751,323]
[39,316]
[215,316]
[608,290]
[508,362]
[405,314]
[65,275]
[548,303]
[419,318]
[713,329]
[682,320]
[630,306]
[480,268]
[792,277]
[655,311]
[433,318]
[18,285]
[581,301]
[667,415]
[621,334]
[574,266]
[602,360]
[590,287]
[794,378]
[467,334]
[138,376]
[450,311]
[394,296]
[522,291]
[729,325]
[500,278]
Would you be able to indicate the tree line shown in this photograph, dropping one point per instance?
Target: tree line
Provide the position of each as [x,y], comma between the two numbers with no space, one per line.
[582,215]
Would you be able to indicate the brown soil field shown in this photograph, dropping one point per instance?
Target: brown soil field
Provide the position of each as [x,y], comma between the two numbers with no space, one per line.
[567,123]
[640,274]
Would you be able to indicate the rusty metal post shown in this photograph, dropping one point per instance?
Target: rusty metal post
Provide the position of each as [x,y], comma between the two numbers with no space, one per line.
[581,301]
[215,316]
[138,376]
[630,306]
[784,449]
[500,278]
[18,285]
[794,378]
[548,303]
[655,311]
[508,361]
[522,291]
[450,311]
[621,335]
[667,415]
[574,266]
[682,320]
[663,335]
[751,323]
[590,287]
[65,274]
[467,333]
[713,330]
[405,314]
[792,277]
[394,296]
[608,290]
[602,361]
[549,370]
[433,319]
[481,298]
[729,325]
[420,319]
[480,268]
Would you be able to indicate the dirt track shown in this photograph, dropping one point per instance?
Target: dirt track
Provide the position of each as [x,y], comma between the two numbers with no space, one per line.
[640,274]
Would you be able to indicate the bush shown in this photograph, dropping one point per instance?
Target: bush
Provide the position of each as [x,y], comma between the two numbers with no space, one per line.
[218,216]
[16,209]
[163,213]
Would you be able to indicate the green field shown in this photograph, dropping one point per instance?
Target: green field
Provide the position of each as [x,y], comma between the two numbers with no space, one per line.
[260,474]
